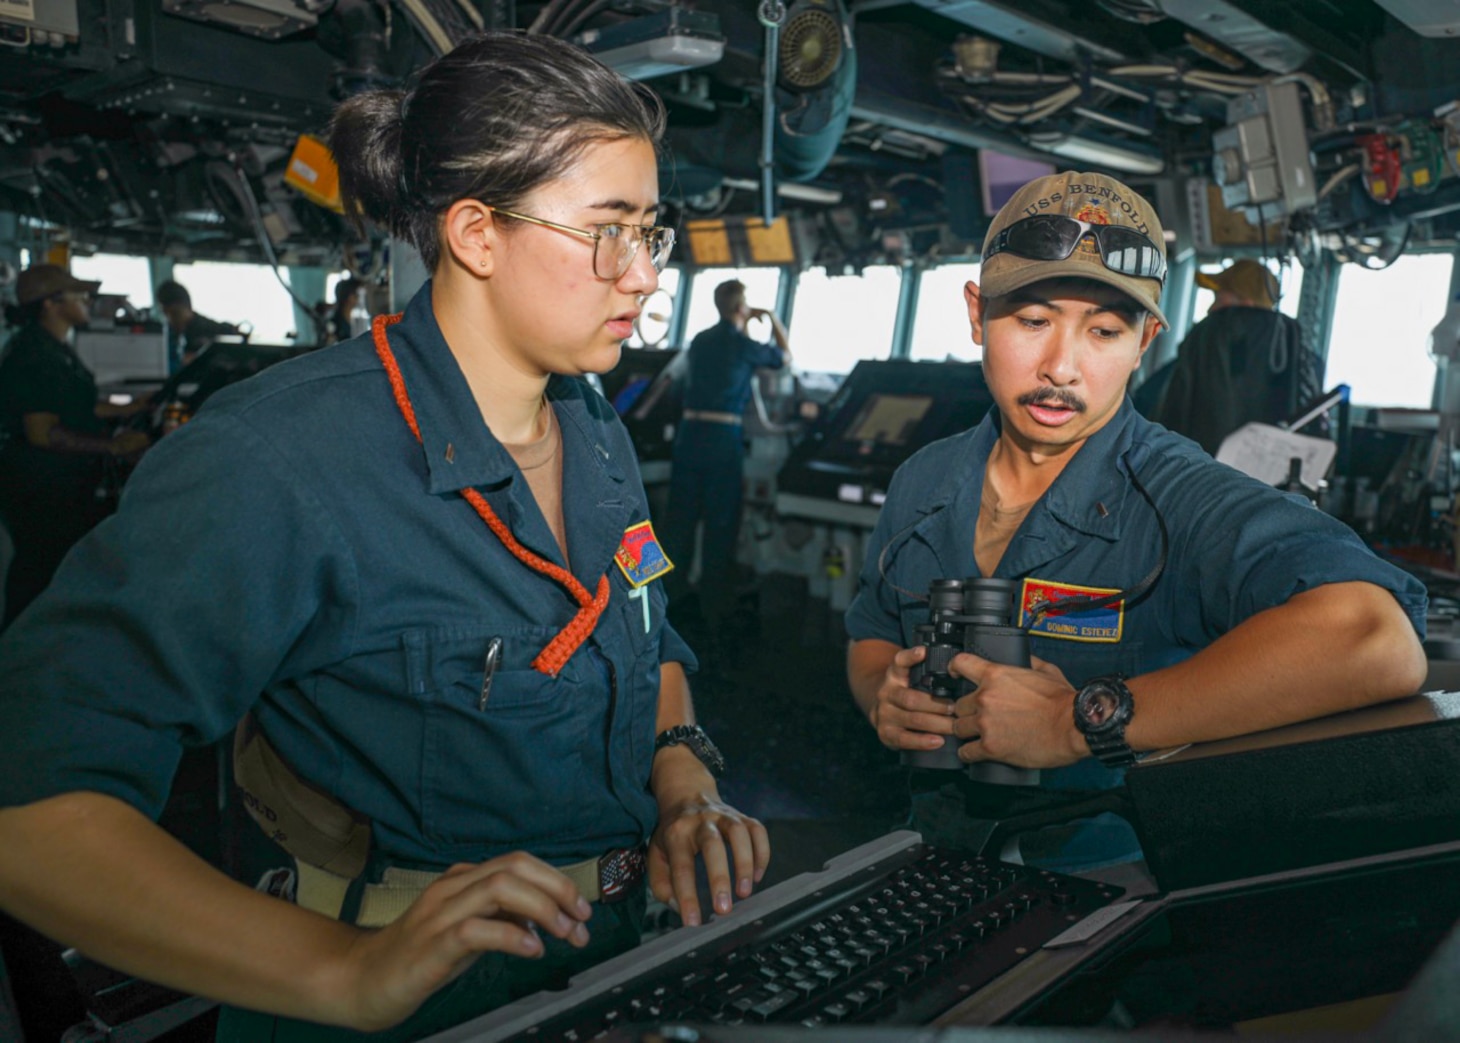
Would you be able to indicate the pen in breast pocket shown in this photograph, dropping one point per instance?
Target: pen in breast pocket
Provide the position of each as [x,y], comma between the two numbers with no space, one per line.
[494,657]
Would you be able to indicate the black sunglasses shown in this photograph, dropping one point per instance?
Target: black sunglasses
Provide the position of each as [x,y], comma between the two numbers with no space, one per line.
[1053,237]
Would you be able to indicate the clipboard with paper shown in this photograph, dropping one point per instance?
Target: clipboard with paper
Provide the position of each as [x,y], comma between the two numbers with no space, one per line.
[1265,452]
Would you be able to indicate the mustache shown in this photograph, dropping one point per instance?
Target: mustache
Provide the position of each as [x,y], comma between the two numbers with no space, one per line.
[1046,395]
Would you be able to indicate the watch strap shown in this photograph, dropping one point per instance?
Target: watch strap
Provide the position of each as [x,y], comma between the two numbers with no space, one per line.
[697,741]
[1112,750]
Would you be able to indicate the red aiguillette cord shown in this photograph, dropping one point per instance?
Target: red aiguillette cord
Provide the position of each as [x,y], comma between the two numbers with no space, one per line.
[560,649]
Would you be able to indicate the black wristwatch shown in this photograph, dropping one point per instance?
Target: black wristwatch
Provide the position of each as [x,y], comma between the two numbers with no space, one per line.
[1102,710]
[694,737]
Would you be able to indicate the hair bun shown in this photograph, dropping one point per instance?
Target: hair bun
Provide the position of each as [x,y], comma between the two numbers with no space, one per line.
[365,138]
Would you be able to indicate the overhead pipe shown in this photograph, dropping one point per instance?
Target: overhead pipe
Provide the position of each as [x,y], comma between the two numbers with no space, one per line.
[772,13]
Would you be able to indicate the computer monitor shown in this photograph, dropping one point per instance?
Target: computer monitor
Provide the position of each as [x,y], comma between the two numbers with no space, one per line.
[1321,954]
[888,419]
[638,369]
[1379,457]
[114,356]
[110,310]
[1000,176]
[885,410]
[645,389]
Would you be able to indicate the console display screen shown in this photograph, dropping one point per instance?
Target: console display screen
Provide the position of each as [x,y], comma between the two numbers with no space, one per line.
[888,419]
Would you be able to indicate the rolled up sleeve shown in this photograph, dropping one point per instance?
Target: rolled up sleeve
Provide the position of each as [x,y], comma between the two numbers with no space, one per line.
[164,625]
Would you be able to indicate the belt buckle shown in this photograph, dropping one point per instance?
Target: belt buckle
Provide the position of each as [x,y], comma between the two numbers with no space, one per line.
[619,872]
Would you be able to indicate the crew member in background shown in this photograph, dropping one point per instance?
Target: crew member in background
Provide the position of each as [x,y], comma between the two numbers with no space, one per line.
[1244,362]
[1210,604]
[188,333]
[347,298]
[57,437]
[418,569]
[709,448]
[56,443]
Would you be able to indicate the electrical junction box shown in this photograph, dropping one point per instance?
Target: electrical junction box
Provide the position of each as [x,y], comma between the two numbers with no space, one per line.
[42,16]
[313,173]
[267,19]
[670,41]
[1426,17]
[1260,159]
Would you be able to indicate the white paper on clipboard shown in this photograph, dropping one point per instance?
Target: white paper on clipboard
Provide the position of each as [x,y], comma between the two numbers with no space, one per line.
[1263,451]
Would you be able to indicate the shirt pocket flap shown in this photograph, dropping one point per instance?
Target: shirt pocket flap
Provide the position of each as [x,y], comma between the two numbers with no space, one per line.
[450,663]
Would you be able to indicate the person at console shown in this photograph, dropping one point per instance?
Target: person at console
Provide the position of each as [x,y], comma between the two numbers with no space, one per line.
[1211,605]
[348,293]
[418,566]
[57,435]
[188,333]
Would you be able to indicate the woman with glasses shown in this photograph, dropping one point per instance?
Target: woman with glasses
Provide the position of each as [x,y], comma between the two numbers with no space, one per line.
[419,569]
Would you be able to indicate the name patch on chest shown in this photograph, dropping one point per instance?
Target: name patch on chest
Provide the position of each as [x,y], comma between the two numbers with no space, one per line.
[639,557]
[1102,625]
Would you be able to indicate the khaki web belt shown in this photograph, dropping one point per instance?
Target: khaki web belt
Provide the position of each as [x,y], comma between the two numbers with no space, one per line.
[331,844]
[324,892]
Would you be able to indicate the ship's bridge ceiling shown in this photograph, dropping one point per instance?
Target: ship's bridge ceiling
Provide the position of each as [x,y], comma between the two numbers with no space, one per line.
[880,128]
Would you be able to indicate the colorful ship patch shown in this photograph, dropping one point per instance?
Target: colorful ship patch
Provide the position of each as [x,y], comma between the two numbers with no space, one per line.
[1102,625]
[640,557]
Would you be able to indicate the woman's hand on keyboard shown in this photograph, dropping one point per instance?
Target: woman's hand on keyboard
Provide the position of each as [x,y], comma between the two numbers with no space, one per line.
[693,820]
[498,905]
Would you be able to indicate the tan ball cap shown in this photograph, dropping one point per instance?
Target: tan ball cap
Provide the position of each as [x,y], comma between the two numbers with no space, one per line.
[1247,279]
[1095,198]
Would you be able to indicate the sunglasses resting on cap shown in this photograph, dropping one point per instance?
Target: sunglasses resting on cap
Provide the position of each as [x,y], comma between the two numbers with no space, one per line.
[1054,237]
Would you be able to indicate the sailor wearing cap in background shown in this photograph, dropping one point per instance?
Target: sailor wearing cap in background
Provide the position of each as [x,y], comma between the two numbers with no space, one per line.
[1212,605]
[1244,362]
[56,436]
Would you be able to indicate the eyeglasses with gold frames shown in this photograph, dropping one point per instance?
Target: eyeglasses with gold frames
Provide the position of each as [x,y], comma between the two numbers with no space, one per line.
[615,245]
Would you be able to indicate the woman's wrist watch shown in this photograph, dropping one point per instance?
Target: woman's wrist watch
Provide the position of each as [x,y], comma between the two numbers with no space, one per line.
[698,743]
[1102,710]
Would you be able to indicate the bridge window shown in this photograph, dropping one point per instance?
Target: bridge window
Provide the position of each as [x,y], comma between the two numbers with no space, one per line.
[118,273]
[1381,330]
[240,293]
[761,287]
[842,319]
[940,326]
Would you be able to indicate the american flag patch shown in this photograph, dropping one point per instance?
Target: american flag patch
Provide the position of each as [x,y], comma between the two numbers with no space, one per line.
[619,871]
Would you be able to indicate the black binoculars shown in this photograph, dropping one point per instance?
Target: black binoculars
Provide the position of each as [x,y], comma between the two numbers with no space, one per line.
[973,615]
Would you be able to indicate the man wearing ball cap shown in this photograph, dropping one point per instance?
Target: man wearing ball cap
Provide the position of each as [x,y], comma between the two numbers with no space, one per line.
[1168,599]
[1244,362]
[56,436]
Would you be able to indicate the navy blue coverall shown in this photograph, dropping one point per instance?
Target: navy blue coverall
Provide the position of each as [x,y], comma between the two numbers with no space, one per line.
[294,551]
[1237,547]
[709,456]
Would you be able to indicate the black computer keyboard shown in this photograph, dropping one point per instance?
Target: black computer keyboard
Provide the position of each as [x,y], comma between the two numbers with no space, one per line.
[896,931]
